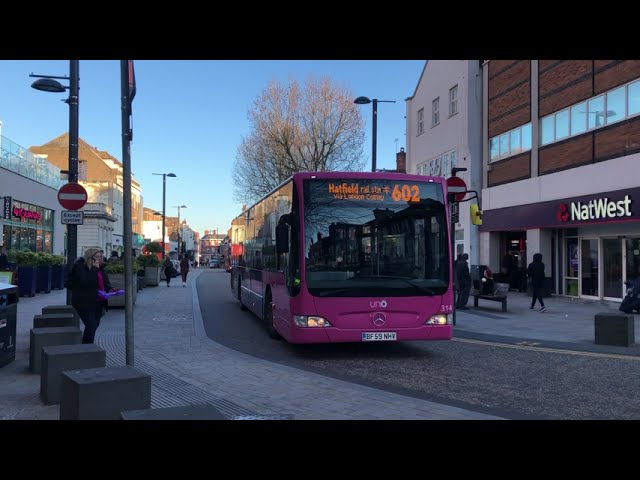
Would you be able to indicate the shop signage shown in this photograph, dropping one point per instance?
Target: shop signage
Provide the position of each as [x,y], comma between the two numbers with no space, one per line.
[605,207]
[595,209]
[72,217]
[7,208]
[24,213]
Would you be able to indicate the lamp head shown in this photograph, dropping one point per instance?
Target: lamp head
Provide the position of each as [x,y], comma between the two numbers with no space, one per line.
[362,100]
[48,85]
[171,175]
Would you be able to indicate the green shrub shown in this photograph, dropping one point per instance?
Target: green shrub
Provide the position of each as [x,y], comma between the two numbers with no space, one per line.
[26,258]
[149,260]
[153,247]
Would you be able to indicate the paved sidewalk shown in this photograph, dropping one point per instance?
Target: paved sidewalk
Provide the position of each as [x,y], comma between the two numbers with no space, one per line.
[188,368]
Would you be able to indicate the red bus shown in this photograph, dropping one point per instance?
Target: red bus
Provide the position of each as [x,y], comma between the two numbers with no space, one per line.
[347,257]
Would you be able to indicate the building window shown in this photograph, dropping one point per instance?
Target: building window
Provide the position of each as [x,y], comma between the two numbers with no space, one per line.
[562,124]
[453,101]
[579,118]
[633,98]
[510,143]
[420,121]
[435,116]
[612,106]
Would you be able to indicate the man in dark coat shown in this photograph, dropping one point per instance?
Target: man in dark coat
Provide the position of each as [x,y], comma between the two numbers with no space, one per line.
[463,278]
[536,274]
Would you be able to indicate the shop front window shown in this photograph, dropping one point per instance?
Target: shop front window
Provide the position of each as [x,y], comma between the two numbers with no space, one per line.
[571,267]
[612,267]
[590,267]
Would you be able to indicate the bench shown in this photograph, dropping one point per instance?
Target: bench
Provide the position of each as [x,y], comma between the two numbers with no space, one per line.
[499,295]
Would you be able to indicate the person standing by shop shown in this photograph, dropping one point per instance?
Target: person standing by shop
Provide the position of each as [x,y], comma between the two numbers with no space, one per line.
[184,269]
[463,277]
[85,280]
[536,274]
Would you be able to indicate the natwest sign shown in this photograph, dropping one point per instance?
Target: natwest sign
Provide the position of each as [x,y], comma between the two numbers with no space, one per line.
[605,207]
[598,208]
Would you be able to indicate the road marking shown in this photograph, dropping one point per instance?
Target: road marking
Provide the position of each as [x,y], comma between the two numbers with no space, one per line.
[548,350]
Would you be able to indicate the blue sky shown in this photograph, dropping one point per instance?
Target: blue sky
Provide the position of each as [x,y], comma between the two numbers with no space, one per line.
[189,117]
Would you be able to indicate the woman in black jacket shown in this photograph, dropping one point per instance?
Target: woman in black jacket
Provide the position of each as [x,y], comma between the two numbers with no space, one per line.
[536,274]
[85,280]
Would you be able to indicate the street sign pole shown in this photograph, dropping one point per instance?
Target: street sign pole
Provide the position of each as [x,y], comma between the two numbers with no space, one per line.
[457,190]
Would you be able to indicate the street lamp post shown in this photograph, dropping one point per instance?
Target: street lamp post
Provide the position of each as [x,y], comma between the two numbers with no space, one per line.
[179,228]
[48,84]
[374,136]
[164,201]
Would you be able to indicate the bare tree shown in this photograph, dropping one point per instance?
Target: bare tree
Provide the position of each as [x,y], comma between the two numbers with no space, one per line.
[294,130]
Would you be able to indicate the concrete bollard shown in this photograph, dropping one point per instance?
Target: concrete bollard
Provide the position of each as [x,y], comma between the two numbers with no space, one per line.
[62,309]
[57,359]
[614,329]
[54,320]
[44,337]
[102,393]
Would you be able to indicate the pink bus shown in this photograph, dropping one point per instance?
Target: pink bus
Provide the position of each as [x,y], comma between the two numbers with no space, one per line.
[347,257]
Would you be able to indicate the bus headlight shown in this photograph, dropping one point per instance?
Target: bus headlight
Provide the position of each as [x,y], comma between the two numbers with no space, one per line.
[310,321]
[440,319]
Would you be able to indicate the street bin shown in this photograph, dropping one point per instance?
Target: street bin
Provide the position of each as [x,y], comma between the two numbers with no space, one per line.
[8,321]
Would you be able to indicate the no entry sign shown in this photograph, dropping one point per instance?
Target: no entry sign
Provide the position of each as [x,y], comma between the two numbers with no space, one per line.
[458,186]
[72,196]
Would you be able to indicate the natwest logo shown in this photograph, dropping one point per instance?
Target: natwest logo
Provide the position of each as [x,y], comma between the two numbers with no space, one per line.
[598,208]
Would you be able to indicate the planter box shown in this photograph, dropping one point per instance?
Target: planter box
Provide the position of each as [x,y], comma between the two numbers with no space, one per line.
[44,279]
[117,281]
[152,276]
[27,281]
[57,277]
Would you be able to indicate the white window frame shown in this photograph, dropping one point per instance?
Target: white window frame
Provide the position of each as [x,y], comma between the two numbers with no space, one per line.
[453,102]
[435,112]
[586,101]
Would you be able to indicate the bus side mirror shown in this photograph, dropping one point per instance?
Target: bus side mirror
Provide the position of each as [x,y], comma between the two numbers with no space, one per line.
[282,238]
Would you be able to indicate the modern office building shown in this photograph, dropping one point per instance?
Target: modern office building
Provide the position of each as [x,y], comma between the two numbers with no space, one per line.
[561,149]
[29,187]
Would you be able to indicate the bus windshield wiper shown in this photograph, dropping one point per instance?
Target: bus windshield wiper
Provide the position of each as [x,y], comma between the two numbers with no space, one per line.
[406,280]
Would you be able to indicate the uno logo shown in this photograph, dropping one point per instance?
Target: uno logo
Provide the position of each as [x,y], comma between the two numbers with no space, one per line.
[378,304]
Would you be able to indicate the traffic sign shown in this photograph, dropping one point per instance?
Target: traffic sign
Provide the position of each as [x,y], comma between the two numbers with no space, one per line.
[72,217]
[458,186]
[72,196]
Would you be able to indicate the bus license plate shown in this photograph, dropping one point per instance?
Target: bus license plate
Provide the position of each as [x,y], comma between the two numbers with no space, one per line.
[378,336]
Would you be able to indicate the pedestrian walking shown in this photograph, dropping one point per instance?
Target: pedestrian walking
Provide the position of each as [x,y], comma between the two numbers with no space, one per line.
[168,269]
[536,274]
[463,276]
[4,259]
[85,280]
[184,269]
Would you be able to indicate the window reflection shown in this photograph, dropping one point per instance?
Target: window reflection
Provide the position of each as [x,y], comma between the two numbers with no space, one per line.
[633,105]
[373,245]
[615,105]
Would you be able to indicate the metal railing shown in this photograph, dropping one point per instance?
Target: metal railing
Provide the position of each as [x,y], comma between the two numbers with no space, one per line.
[19,160]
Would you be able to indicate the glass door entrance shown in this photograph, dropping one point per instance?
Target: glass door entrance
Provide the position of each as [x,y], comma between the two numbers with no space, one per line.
[632,260]
[589,267]
[612,268]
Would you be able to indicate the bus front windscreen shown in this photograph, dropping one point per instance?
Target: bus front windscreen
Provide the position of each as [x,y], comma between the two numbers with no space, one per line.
[375,237]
